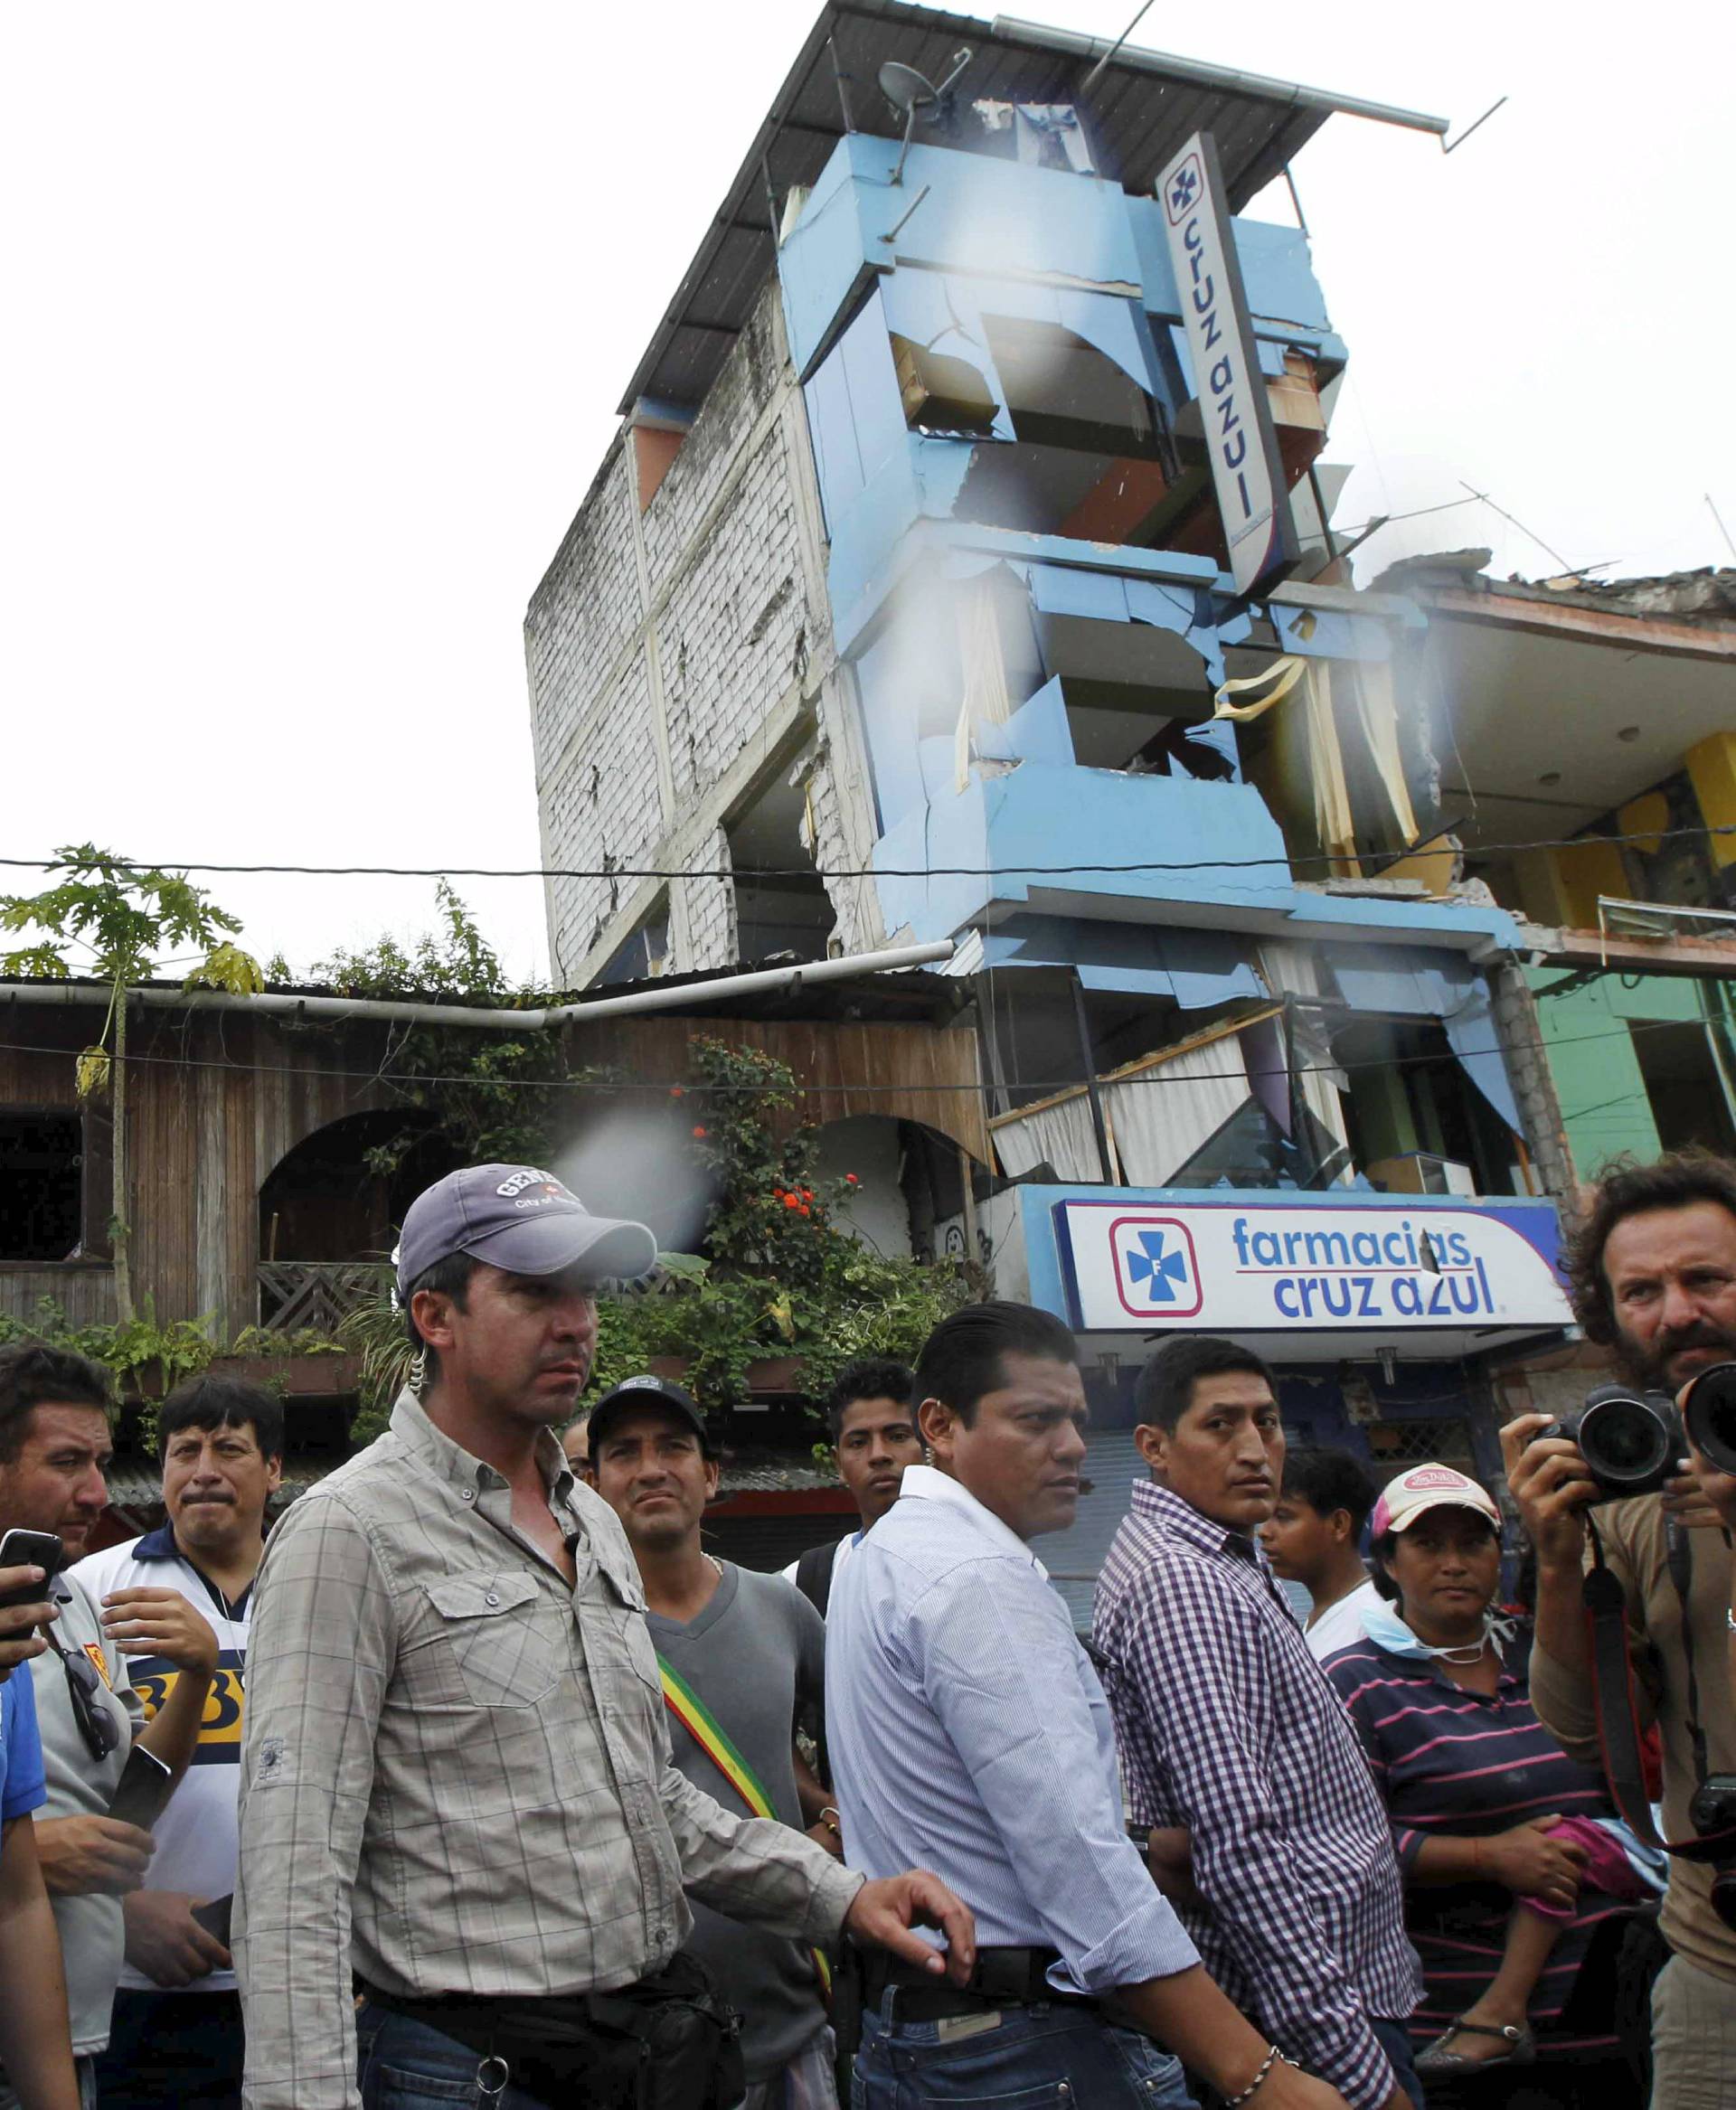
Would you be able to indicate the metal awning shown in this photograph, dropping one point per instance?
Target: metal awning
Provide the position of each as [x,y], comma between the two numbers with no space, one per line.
[1143,105]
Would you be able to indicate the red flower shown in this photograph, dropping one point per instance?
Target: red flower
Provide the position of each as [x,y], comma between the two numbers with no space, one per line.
[808,1194]
[701,1133]
[677,1091]
[792,1201]
[850,1180]
[805,1210]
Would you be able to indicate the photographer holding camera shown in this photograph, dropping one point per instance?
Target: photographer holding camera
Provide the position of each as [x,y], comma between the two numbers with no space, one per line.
[1653,1273]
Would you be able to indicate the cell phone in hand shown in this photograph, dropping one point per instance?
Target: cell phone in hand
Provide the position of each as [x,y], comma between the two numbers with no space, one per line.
[145,1786]
[213,1915]
[31,1549]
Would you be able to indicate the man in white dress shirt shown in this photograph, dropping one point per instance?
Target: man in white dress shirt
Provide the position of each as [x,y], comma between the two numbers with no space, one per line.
[968,1727]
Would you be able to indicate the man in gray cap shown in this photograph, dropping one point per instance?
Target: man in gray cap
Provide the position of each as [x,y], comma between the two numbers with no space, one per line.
[455,1774]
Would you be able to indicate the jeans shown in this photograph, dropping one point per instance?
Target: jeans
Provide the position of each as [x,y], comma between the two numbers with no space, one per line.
[173,2051]
[1401,2055]
[402,2063]
[1046,2055]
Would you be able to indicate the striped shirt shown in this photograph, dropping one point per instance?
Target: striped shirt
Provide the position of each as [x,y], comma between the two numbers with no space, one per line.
[1228,1728]
[1453,1764]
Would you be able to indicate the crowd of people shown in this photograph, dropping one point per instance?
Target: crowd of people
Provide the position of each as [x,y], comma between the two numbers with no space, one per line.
[533,1800]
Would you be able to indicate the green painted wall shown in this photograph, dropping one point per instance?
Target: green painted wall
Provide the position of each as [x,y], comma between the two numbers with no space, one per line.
[1592,1057]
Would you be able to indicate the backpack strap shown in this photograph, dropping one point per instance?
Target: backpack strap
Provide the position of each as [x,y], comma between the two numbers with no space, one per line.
[814,1573]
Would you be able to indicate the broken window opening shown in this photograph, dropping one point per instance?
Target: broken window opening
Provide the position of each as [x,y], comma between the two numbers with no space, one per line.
[1686,1084]
[645,954]
[1138,698]
[41,1186]
[1063,392]
[1416,1122]
[782,909]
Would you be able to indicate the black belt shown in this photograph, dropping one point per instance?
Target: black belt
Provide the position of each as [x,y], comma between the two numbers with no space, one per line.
[1000,1978]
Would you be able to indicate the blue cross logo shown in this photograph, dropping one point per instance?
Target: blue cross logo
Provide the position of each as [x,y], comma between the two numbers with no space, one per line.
[1163,1273]
[1181,192]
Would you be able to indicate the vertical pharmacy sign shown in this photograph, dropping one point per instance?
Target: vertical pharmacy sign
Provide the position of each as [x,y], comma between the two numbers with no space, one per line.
[1246,471]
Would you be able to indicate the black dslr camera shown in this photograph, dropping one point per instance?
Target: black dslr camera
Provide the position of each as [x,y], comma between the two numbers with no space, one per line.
[1712,1814]
[1709,1412]
[1629,1439]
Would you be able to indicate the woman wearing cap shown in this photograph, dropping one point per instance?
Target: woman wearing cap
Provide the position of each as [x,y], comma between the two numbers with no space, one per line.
[1486,1809]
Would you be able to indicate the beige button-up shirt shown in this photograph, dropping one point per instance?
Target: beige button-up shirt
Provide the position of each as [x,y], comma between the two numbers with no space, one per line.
[456,1771]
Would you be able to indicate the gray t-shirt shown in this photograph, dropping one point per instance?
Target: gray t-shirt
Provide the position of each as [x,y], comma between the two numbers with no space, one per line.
[755,1658]
[93,1931]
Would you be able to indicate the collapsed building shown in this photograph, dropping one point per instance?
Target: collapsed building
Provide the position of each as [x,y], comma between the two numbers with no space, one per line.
[963,574]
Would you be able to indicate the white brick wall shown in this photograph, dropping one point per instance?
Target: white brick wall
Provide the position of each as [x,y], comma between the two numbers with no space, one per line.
[729,630]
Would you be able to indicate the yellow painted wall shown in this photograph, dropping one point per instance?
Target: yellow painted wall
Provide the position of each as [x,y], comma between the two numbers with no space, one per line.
[1711,771]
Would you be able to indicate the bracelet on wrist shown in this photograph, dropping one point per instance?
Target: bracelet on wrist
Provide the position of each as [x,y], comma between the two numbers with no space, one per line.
[829,1818]
[1274,2057]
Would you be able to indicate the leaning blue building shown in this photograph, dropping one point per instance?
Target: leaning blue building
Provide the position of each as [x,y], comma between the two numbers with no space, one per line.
[911,612]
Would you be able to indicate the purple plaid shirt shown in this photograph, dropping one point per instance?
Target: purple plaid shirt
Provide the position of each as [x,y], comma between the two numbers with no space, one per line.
[1229,1728]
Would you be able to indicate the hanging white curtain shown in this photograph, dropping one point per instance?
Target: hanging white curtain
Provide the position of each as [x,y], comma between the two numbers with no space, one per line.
[1165,1111]
[1060,1134]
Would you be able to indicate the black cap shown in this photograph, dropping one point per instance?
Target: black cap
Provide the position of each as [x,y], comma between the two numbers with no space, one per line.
[621,1399]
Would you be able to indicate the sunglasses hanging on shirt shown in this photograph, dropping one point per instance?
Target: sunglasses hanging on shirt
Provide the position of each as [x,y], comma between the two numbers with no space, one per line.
[96,1725]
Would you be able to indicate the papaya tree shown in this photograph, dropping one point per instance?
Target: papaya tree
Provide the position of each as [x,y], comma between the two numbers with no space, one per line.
[111,920]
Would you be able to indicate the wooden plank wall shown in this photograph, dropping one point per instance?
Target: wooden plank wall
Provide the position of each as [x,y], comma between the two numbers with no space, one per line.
[217,1099]
[912,1072]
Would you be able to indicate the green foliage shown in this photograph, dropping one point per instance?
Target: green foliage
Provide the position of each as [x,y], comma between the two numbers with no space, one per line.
[107,918]
[782,1278]
[118,916]
[148,1359]
[145,1358]
[495,1098]
[779,1276]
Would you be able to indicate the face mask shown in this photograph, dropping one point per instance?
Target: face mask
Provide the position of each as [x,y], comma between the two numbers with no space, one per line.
[1385,1629]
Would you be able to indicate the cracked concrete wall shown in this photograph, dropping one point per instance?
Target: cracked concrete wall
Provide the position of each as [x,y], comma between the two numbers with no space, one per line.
[679,657]
[1515,1012]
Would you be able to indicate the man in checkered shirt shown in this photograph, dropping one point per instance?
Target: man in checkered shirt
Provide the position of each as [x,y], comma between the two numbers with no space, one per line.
[1229,1733]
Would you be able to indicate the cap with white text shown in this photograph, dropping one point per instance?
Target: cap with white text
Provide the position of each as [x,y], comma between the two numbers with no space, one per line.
[1425,1487]
[522,1220]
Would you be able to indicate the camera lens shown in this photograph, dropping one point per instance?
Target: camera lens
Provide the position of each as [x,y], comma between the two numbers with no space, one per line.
[1624,1440]
[1711,1414]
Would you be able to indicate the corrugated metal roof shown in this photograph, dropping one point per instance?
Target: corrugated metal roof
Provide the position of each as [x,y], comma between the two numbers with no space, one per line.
[1141,109]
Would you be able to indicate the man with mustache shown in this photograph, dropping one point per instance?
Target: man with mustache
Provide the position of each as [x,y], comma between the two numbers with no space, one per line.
[1230,1734]
[456,1791]
[1652,1271]
[175,2037]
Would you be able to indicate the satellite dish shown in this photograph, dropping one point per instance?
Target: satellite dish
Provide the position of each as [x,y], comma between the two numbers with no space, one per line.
[911,95]
[905,88]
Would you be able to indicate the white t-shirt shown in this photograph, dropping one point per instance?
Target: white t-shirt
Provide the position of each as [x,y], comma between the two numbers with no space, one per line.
[847,1547]
[197,1835]
[1341,1624]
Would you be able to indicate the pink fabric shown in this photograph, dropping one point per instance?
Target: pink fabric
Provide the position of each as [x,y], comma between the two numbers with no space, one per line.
[1606,1867]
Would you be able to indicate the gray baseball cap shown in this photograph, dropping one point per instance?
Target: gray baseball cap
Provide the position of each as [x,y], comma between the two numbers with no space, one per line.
[620,1400]
[520,1218]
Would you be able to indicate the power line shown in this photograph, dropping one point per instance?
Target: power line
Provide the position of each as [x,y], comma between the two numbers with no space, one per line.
[689,1089]
[1279,860]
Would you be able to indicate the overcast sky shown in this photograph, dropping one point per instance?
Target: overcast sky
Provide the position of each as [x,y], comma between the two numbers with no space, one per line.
[316,317]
